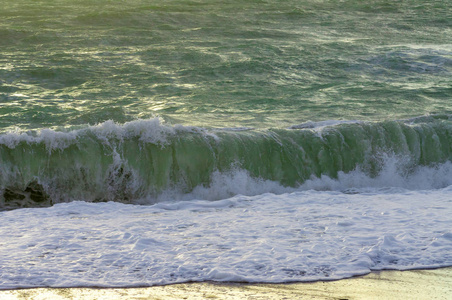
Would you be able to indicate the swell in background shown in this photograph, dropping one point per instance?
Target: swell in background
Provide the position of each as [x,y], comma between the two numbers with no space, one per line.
[261,64]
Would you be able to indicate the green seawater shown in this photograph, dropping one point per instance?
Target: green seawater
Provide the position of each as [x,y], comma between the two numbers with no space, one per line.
[208,63]
[129,100]
[126,164]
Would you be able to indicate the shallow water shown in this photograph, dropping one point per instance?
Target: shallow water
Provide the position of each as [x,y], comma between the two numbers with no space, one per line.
[300,236]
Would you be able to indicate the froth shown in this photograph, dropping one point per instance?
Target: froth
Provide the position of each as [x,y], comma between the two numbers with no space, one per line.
[224,185]
[150,131]
[396,172]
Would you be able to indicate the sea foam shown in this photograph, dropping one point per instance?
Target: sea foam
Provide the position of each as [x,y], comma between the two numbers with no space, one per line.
[298,236]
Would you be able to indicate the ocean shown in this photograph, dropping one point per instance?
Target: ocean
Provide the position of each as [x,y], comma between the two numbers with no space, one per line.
[151,142]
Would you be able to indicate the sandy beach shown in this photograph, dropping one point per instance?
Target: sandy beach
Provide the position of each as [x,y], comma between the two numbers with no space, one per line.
[415,284]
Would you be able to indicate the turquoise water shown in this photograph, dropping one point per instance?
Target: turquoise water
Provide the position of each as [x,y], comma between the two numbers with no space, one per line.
[138,97]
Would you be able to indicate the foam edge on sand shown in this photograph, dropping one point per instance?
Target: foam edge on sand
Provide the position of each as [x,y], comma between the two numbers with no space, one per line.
[413,284]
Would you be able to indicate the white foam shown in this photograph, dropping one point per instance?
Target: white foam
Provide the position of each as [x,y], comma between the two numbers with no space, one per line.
[396,172]
[298,236]
[223,185]
[149,131]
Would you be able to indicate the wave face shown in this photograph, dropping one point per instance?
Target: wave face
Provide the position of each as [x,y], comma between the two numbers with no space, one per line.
[141,161]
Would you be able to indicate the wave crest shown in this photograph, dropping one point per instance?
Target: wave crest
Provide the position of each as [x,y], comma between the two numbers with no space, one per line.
[147,159]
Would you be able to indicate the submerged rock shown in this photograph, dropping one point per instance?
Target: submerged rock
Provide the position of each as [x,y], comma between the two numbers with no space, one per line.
[34,195]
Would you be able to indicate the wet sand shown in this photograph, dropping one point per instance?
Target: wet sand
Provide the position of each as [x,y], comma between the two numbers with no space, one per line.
[417,284]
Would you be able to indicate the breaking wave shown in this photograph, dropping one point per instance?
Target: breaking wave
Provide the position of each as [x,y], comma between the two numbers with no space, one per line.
[147,161]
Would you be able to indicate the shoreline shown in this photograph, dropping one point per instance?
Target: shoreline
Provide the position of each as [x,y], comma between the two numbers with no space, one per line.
[387,284]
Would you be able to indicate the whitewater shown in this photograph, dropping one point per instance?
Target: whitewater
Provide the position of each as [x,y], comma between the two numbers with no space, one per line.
[232,227]
[162,142]
[296,236]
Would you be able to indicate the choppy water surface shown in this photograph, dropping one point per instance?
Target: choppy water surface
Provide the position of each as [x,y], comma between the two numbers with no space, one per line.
[222,63]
